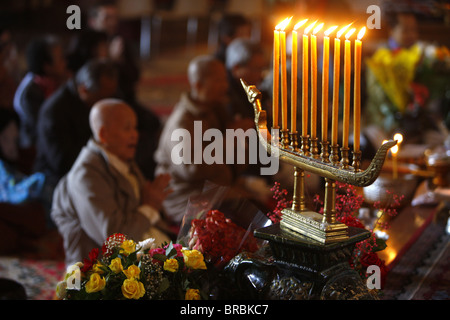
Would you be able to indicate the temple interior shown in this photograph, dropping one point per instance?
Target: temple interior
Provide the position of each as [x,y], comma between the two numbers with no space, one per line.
[153,44]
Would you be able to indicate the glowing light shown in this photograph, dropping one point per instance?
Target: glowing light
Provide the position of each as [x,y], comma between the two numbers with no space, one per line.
[300,24]
[349,34]
[330,30]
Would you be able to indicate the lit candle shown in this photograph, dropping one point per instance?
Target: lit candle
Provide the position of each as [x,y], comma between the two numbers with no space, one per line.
[357,91]
[336,77]
[399,138]
[283,73]
[305,80]
[394,151]
[347,70]
[294,68]
[276,76]
[325,74]
[314,81]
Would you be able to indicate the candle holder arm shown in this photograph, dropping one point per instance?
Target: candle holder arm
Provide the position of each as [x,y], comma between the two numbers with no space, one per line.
[327,170]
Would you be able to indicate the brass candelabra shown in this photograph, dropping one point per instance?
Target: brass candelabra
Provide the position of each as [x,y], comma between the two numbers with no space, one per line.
[308,155]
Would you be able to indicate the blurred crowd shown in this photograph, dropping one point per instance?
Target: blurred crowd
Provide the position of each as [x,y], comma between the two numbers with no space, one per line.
[72,130]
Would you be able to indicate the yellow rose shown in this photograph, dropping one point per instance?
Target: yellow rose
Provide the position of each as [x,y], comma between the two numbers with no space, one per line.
[95,283]
[192,294]
[194,259]
[97,268]
[171,265]
[116,265]
[128,246]
[132,272]
[133,289]
[61,290]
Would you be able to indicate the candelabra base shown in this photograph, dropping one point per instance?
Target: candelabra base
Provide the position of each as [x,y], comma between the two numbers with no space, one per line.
[310,224]
[293,267]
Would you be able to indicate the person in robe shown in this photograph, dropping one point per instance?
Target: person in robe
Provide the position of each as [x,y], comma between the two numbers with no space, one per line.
[105,192]
[204,105]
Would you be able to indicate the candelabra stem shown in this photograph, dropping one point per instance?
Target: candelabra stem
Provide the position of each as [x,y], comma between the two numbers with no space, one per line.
[298,200]
[329,210]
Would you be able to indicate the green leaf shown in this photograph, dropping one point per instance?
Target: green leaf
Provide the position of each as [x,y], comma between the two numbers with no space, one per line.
[165,284]
[160,257]
[380,245]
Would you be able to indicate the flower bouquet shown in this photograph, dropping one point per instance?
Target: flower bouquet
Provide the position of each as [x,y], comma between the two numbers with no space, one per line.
[130,270]
[219,238]
[220,224]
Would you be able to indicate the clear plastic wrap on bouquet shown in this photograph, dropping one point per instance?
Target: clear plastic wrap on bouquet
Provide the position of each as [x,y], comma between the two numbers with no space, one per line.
[220,223]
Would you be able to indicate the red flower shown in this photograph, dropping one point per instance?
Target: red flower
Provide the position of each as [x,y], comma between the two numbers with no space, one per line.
[88,263]
[113,241]
[351,222]
[218,238]
[279,197]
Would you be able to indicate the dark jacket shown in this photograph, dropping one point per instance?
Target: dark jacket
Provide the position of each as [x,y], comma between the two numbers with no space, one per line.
[27,103]
[62,131]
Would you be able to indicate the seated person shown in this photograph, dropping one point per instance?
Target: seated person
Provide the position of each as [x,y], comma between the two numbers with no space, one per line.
[204,103]
[244,60]
[103,16]
[105,192]
[46,72]
[63,123]
[400,95]
[22,215]
[85,46]
[231,26]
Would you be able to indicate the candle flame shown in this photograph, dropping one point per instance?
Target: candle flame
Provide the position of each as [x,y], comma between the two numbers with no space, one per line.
[317,29]
[398,137]
[361,33]
[348,34]
[340,32]
[394,149]
[283,24]
[308,29]
[300,24]
[330,30]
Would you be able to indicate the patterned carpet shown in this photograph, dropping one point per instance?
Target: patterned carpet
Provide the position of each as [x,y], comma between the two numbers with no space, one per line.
[38,277]
[37,267]
[423,273]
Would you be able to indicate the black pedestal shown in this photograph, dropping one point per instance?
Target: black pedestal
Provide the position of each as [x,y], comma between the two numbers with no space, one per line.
[296,267]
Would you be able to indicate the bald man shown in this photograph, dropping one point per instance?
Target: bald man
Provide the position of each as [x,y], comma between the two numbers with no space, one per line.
[204,104]
[105,192]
